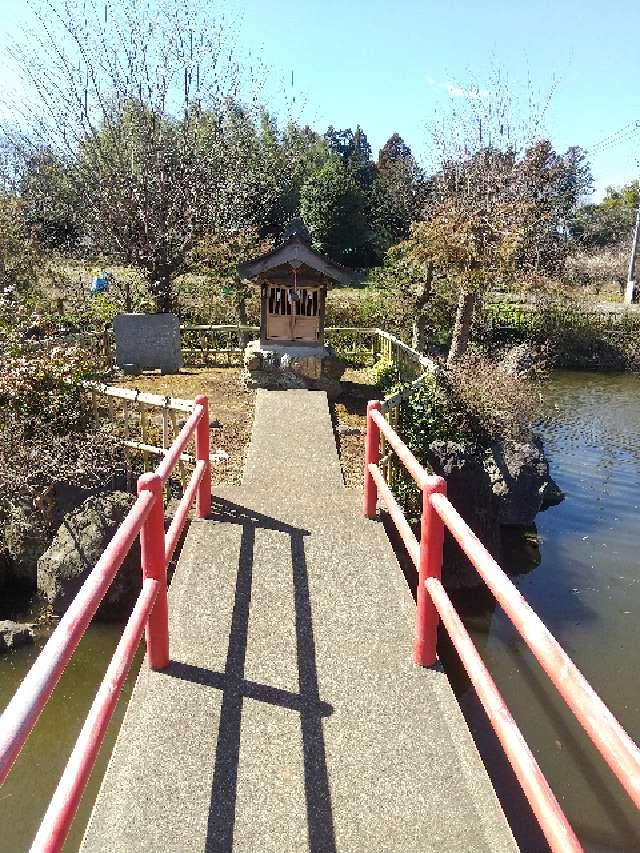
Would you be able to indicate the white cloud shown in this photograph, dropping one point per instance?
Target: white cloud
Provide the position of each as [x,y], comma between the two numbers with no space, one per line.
[473,94]
[457,91]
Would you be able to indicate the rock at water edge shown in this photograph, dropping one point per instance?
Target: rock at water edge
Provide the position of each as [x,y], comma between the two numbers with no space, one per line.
[13,635]
[80,541]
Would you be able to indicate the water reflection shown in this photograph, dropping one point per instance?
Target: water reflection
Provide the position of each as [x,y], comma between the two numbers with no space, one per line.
[27,790]
[587,589]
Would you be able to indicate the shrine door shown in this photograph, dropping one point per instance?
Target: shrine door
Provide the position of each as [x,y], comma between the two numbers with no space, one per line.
[293,315]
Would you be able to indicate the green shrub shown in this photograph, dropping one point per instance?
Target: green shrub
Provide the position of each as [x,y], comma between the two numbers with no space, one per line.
[437,413]
[362,308]
[384,374]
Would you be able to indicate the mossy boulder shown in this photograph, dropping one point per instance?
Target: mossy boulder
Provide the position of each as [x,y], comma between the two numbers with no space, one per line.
[77,546]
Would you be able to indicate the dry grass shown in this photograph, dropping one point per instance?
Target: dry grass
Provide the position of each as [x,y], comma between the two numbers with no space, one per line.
[230,405]
[497,403]
[602,272]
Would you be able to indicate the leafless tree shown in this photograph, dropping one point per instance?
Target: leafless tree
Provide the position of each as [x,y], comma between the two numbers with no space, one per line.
[138,100]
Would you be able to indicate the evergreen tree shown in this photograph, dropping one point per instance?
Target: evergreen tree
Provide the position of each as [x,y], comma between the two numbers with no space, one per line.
[393,151]
[398,193]
[610,222]
[335,209]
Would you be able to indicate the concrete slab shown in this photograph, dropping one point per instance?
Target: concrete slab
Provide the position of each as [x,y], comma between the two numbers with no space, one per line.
[292,449]
[292,717]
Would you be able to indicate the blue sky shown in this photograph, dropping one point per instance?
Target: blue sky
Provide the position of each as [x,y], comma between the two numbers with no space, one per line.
[394,66]
[388,65]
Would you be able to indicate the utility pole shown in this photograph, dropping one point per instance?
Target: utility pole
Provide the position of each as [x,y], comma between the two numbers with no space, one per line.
[632,284]
[631,278]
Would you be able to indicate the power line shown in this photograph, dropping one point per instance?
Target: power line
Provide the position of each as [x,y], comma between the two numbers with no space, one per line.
[615,138]
[614,133]
[621,140]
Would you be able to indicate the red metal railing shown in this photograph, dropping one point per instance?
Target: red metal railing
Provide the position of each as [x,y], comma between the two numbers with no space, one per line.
[433,603]
[150,614]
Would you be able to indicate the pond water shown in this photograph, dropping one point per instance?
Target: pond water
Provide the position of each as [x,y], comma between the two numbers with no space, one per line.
[586,588]
[25,795]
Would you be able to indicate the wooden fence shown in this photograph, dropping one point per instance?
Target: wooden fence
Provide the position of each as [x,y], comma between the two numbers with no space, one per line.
[413,371]
[157,418]
[213,346]
[217,345]
[144,424]
[223,345]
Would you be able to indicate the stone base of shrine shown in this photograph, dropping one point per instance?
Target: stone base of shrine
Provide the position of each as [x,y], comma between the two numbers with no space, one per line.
[282,366]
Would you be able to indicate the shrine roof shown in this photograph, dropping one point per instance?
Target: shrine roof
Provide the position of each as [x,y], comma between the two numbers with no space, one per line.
[295,252]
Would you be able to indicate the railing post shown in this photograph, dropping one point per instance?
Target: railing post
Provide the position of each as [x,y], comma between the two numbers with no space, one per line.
[203,498]
[431,544]
[371,457]
[154,566]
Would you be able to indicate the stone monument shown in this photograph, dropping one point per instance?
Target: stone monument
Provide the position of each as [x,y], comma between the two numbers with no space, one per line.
[147,342]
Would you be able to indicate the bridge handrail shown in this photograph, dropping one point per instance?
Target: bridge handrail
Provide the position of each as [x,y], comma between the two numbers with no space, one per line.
[616,747]
[150,612]
[134,395]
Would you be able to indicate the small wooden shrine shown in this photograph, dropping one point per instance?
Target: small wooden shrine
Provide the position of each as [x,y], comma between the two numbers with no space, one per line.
[291,352]
[293,281]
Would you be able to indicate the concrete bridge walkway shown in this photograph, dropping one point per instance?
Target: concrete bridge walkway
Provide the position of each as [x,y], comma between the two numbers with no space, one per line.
[291,717]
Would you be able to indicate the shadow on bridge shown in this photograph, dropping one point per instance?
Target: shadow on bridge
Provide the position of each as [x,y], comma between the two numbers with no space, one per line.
[236,689]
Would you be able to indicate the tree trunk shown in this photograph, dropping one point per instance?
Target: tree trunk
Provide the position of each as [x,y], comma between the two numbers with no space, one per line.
[419,332]
[241,312]
[630,295]
[462,325]
[128,302]
[161,289]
